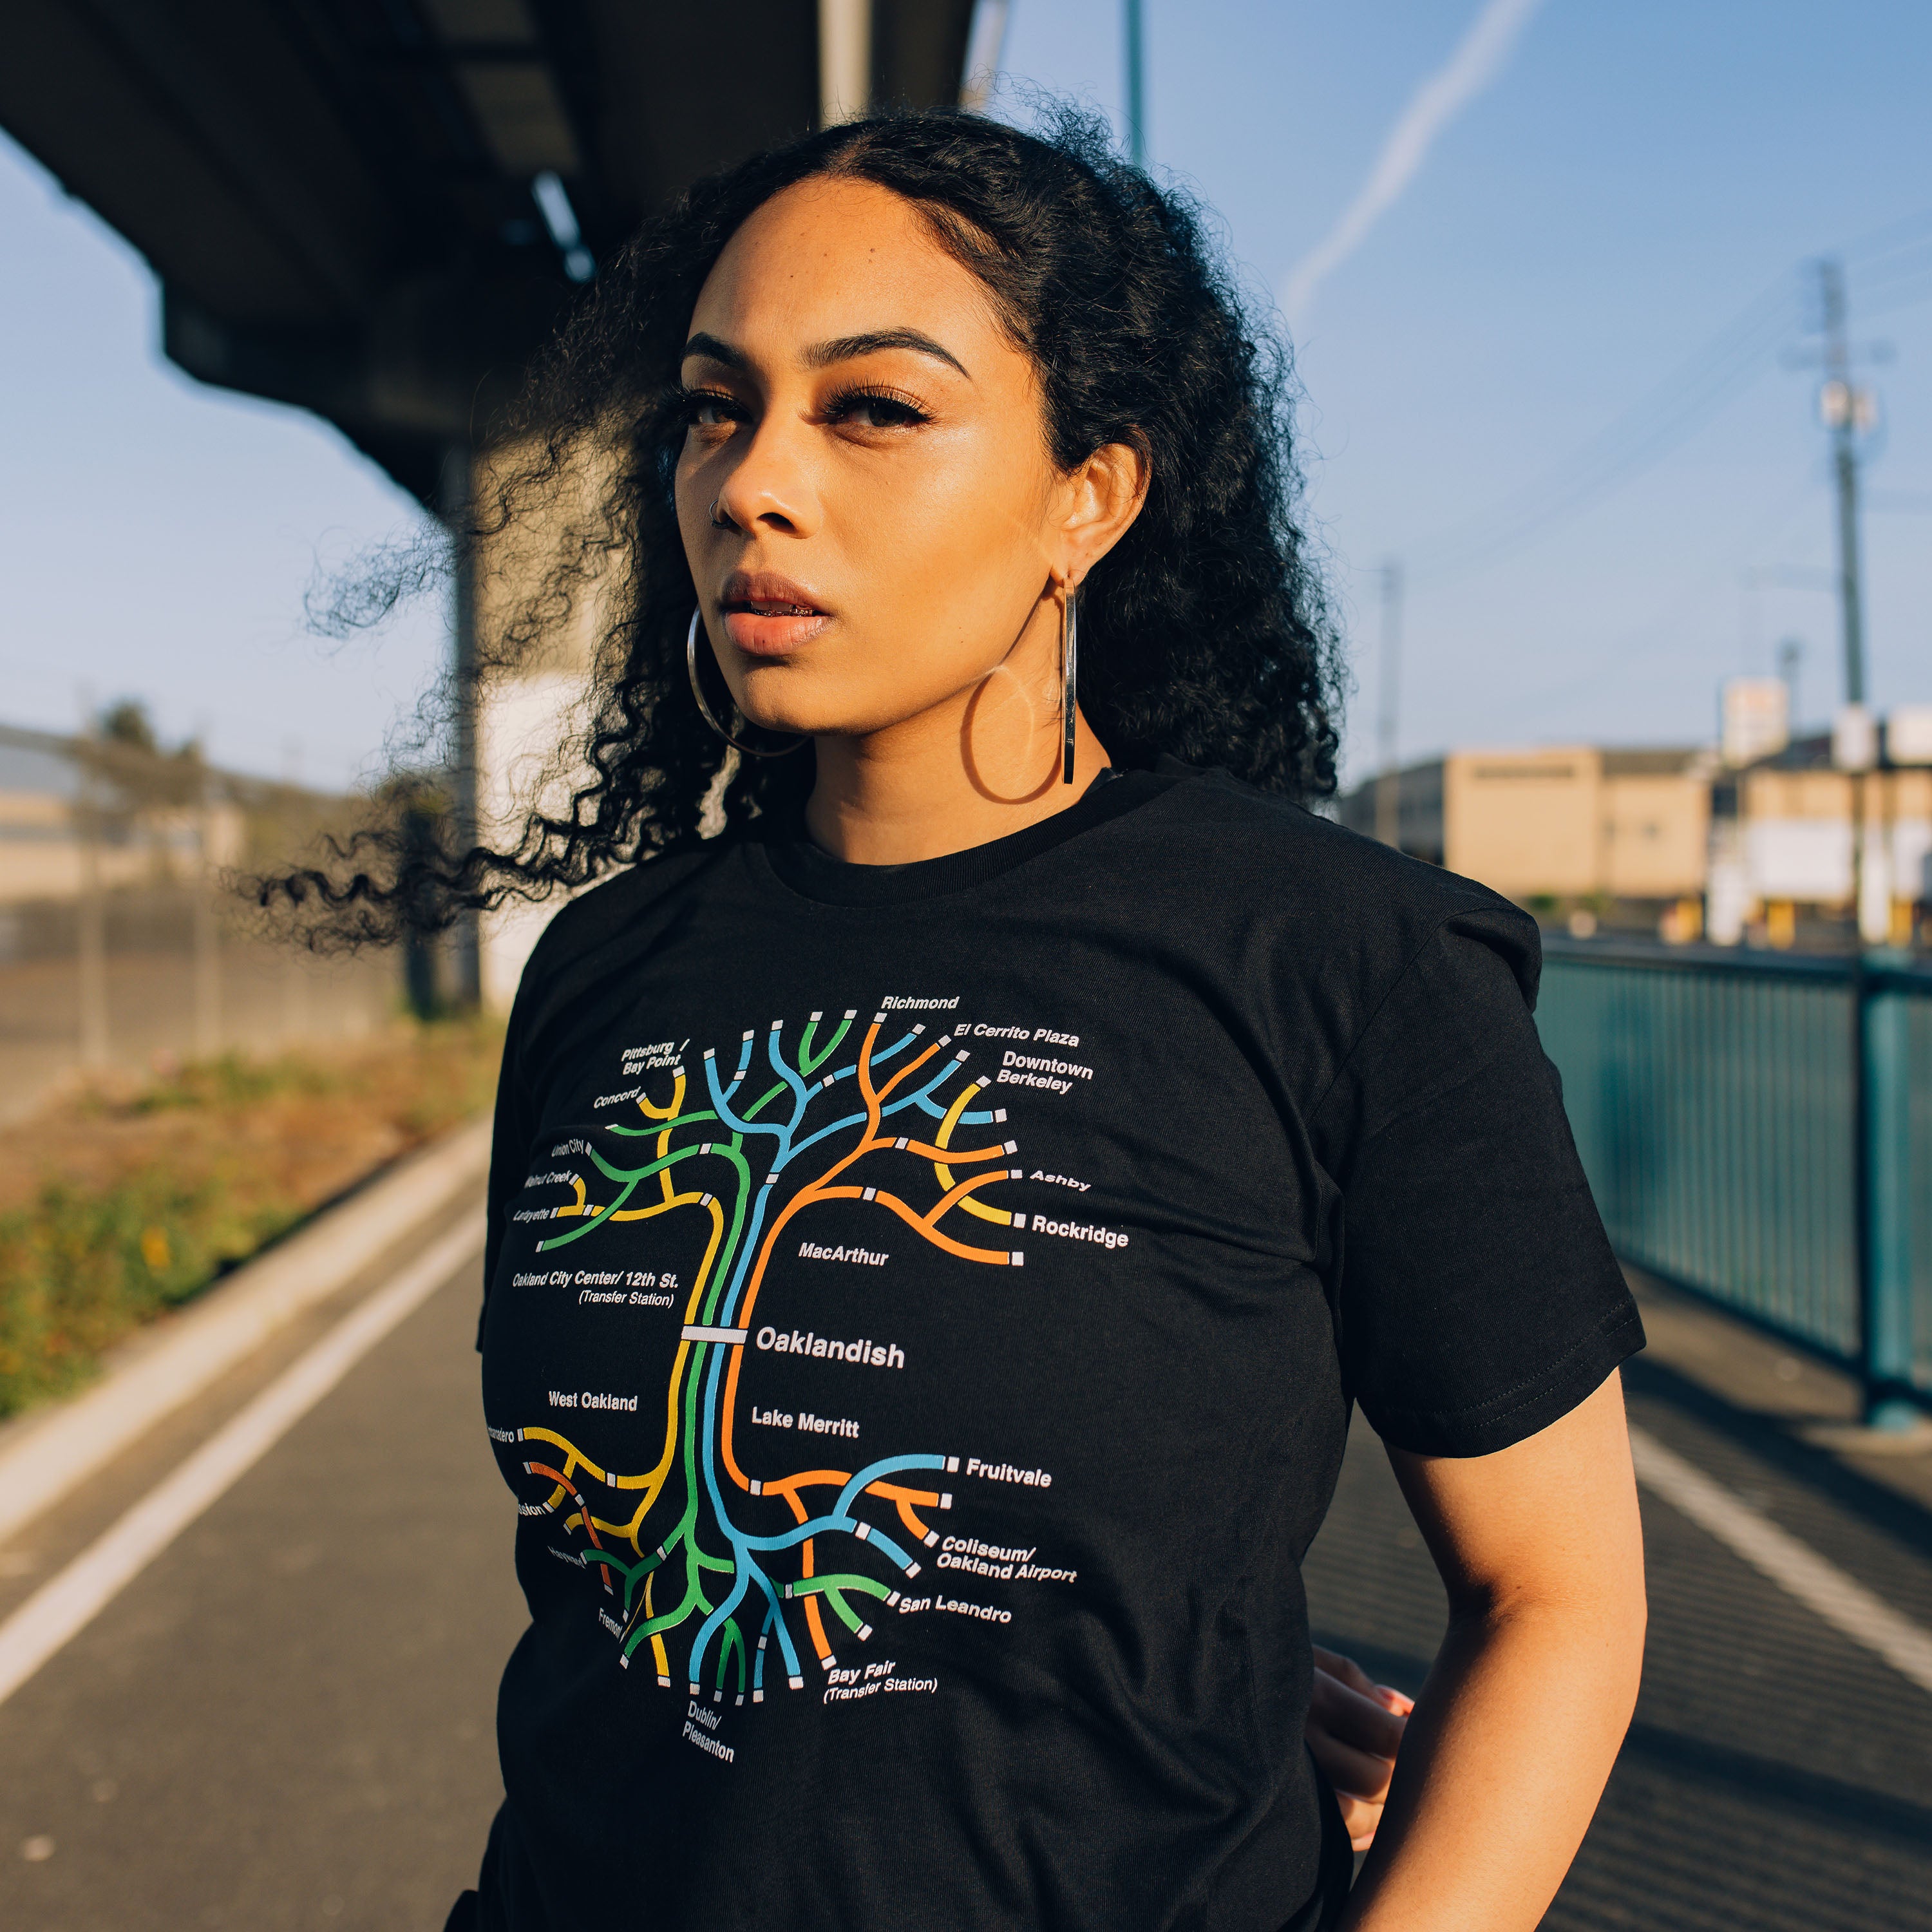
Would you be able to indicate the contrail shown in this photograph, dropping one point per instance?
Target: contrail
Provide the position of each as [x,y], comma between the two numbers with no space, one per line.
[1493,34]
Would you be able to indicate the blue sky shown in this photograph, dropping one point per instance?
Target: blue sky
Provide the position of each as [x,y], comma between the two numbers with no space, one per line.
[1630,180]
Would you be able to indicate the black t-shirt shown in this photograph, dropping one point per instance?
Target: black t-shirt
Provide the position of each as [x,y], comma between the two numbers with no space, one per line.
[942,1287]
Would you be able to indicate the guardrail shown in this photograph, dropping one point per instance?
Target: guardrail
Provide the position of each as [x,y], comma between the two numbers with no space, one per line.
[1757,1128]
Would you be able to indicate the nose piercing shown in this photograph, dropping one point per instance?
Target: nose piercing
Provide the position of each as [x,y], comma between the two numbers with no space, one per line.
[719,522]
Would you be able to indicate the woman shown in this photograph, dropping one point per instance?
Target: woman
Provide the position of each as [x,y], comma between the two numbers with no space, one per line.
[941,1221]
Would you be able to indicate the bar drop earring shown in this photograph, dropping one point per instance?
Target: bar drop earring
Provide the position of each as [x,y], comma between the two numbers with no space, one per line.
[1069,672]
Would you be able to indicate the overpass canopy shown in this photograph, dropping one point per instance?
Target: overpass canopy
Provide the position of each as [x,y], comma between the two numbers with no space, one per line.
[375,209]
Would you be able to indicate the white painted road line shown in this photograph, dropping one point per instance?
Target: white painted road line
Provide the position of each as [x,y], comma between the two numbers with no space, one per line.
[1794,1566]
[66,1603]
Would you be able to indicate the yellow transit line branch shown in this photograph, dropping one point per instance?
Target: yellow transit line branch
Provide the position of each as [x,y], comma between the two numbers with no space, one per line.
[657,1637]
[941,1141]
[653,1480]
[670,1113]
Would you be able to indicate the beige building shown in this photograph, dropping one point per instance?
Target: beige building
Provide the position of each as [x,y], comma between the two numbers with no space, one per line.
[72,821]
[1557,821]
[1790,839]
[1794,839]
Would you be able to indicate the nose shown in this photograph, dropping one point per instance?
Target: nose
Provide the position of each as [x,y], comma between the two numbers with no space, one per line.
[772,483]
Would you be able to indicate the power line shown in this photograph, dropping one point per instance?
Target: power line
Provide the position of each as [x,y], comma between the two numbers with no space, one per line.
[1653,427]
[1894,268]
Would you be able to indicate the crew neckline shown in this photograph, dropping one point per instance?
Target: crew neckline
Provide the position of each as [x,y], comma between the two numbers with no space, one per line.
[815,874]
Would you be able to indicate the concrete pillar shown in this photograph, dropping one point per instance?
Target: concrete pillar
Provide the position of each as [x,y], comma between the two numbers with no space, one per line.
[845,60]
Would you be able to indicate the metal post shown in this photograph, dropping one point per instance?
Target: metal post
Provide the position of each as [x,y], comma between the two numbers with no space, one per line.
[456,484]
[1388,780]
[1884,1135]
[419,955]
[295,967]
[92,910]
[206,940]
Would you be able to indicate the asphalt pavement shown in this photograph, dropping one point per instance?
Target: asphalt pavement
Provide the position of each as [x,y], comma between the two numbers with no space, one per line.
[1778,1777]
[286,1721]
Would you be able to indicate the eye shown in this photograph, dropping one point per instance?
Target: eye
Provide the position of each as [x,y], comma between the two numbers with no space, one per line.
[875,409]
[709,409]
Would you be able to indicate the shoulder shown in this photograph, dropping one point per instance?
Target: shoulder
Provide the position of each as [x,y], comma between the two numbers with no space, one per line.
[1338,898]
[615,915]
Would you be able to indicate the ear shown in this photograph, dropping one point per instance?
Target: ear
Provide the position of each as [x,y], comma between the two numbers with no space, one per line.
[1099,500]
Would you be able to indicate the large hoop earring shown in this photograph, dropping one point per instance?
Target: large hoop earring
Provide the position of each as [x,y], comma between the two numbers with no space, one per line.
[1069,675]
[704,708]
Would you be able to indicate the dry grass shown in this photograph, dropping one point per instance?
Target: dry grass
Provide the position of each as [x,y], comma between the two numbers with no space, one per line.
[122,1204]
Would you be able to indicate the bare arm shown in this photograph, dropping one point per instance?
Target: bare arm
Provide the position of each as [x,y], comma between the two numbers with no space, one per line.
[1506,1755]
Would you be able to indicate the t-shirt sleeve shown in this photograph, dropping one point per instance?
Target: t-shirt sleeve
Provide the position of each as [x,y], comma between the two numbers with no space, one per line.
[1477,1300]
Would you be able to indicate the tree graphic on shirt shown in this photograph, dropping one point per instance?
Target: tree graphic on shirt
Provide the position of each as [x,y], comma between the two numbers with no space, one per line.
[722,1575]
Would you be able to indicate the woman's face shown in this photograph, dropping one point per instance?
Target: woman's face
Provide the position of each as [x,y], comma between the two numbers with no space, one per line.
[872,518]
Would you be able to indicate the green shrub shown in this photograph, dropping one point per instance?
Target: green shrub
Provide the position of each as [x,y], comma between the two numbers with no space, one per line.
[81,1267]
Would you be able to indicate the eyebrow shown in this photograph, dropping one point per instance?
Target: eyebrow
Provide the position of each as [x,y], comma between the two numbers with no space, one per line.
[823,355]
[713,350]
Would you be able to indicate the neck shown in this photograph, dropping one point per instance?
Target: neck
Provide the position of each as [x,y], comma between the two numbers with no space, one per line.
[984,762]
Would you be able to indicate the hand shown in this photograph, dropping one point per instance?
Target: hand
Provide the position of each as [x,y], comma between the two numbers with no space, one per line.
[1354,1729]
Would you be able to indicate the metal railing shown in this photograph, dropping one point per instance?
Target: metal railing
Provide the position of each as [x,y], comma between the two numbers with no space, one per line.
[1757,1127]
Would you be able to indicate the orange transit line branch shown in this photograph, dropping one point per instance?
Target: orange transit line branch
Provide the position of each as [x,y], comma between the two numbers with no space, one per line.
[871,1141]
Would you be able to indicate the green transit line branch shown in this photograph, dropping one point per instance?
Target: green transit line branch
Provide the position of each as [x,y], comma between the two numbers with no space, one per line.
[733,1640]
[808,1064]
[631,1181]
[834,1580]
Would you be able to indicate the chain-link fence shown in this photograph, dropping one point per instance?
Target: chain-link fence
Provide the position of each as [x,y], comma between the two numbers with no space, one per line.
[120,949]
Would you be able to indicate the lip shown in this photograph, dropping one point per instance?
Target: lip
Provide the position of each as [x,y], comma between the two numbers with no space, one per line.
[768,631]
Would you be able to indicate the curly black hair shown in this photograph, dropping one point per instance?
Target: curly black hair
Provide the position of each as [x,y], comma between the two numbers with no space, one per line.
[1204,633]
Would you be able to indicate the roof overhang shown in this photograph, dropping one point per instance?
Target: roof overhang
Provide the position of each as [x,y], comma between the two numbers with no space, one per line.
[336,195]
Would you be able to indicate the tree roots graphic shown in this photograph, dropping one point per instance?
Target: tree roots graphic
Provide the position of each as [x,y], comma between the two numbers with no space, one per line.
[651,1537]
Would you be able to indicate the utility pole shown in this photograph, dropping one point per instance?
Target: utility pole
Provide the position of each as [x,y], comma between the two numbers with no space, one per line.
[1136,56]
[1847,410]
[1388,779]
[1790,662]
